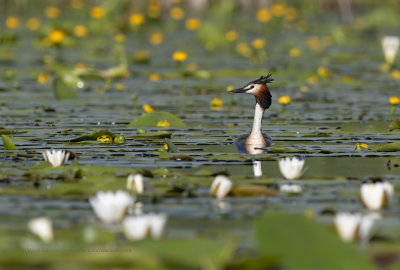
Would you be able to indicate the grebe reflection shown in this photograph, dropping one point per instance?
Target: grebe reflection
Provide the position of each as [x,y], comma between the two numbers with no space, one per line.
[256,141]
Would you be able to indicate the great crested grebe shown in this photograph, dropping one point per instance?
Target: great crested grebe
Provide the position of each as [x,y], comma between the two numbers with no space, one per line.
[256,141]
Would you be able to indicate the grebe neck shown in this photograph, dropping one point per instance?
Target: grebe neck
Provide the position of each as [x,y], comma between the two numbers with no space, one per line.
[258,115]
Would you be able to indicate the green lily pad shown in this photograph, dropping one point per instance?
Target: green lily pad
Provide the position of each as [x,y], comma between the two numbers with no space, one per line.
[151,119]
[8,144]
[390,147]
[66,86]
[151,136]
[297,241]
[94,136]
[171,146]
[395,124]
[252,191]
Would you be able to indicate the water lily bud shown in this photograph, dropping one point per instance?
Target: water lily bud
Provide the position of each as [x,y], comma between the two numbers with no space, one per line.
[376,196]
[291,168]
[135,183]
[390,46]
[42,227]
[56,157]
[141,226]
[221,186]
[111,207]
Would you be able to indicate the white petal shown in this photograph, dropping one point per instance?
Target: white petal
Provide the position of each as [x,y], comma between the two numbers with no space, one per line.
[135,227]
[42,227]
[157,224]
[372,195]
[221,186]
[111,207]
[291,168]
[346,225]
[366,226]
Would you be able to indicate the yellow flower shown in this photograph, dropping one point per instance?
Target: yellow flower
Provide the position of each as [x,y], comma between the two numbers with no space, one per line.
[263,15]
[97,12]
[77,4]
[243,49]
[33,24]
[324,72]
[119,87]
[163,124]
[394,100]
[314,43]
[231,35]
[294,52]
[179,56]
[359,145]
[165,147]
[81,31]
[216,104]
[12,22]
[278,10]
[395,75]
[105,139]
[312,79]
[258,43]
[176,13]
[192,24]
[52,12]
[291,14]
[136,19]
[56,36]
[120,38]
[154,9]
[43,78]
[229,88]
[120,139]
[156,38]
[284,100]
[147,108]
[154,77]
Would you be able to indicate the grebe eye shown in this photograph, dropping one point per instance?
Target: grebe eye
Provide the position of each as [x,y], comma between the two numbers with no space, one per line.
[251,87]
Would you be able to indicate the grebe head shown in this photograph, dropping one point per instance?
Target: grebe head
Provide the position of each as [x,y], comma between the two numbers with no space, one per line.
[259,89]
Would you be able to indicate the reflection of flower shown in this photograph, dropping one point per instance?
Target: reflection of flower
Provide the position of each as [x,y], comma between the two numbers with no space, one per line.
[376,195]
[111,207]
[221,186]
[56,157]
[390,46]
[291,168]
[42,227]
[290,188]
[141,226]
[352,227]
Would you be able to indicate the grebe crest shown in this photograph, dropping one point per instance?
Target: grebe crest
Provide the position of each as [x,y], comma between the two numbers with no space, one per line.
[256,141]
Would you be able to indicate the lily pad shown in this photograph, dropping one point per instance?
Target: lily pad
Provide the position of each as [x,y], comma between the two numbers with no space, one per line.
[390,147]
[94,136]
[8,144]
[285,236]
[151,136]
[66,86]
[151,119]
[395,124]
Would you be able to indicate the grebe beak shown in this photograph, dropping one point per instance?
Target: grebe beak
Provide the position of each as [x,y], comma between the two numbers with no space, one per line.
[239,90]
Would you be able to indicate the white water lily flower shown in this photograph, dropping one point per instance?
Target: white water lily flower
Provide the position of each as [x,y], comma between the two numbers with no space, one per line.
[257,168]
[290,188]
[135,183]
[376,195]
[141,226]
[111,207]
[390,46]
[42,227]
[352,227]
[56,157]
[291,168]
[221,186]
